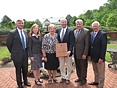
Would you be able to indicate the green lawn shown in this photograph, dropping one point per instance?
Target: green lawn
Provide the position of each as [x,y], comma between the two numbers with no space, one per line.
[108,58]
[4,52]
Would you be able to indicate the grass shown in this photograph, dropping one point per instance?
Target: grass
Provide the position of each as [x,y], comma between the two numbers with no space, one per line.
[4,52]
[109,46]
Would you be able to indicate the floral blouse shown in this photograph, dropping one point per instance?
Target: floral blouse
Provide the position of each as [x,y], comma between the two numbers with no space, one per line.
[49,43]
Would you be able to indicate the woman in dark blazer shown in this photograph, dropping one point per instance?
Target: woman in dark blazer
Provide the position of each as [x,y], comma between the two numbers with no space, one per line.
[35,52]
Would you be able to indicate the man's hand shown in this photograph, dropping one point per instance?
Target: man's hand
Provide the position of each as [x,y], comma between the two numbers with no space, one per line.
[68,53]
[100,61]
[83,56]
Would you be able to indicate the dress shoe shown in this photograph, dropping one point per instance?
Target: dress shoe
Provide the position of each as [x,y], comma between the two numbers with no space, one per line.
[67,81]
[93,83]
[82,83]
[27,83]
[62,80]
[77,80]
[20,86]
[55,80]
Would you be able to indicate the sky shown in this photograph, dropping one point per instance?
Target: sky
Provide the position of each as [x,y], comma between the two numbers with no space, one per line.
[38,9]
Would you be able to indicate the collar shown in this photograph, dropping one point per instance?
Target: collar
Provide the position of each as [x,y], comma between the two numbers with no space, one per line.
[96,32]
[19,29]
[35,35]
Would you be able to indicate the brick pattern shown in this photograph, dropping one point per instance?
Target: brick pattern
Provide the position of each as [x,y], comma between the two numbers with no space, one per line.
[7,79]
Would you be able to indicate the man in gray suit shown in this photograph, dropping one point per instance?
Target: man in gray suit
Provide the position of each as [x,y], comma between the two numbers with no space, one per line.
[17,41]
[82,40]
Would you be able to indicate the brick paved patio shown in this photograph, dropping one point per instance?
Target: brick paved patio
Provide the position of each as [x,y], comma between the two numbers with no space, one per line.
[7,79]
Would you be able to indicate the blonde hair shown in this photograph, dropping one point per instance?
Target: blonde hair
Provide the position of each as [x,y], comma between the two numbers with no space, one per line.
[51,25]
[31,30]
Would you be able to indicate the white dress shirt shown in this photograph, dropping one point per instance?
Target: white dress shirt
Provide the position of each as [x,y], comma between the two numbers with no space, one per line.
[19,31]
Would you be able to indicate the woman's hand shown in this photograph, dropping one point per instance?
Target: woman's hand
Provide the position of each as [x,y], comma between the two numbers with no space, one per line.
[45,59]
[32,58]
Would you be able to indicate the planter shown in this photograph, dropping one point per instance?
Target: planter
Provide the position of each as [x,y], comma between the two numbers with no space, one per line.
[6,59]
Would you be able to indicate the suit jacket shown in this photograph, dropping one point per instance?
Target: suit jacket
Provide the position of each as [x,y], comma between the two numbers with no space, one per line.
[14,45]
[98,47]
[35,45]
[82,43]
[68,38]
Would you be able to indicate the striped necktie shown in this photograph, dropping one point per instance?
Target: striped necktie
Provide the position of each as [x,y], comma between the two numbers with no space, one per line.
[62,36]
[77,33]
[22,39]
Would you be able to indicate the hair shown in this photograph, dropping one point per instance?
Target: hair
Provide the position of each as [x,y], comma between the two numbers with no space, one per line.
[31,30]
[79,21]
[51,25]
[96,23]
[64,19]
[19,21]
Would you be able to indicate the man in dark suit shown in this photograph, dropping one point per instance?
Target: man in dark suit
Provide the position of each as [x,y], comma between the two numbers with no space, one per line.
[65,35]
[81,48]
[17,45]
[97,54]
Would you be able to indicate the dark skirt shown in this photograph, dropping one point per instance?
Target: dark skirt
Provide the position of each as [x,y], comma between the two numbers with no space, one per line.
[52,62]
[37,63]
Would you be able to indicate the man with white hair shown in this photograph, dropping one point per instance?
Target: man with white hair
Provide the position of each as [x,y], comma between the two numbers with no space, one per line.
[81,48]
[97,54]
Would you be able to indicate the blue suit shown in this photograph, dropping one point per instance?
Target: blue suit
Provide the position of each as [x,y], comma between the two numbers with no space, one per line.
[98,47]
[98,51]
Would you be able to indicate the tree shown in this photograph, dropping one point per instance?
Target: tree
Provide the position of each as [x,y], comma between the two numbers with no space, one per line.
[72,21]
[5,19]
[112,20]
[89,14]
[28,24]
[68,17]
[38,22]
[7,23]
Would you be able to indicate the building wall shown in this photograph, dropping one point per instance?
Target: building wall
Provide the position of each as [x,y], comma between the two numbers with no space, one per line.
[112,35]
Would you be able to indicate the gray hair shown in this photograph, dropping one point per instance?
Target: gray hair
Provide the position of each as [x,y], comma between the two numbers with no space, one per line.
[79,21]
[64,19]
[96,22]
[19,21]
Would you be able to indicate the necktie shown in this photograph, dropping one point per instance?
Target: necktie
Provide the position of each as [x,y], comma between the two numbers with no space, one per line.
[93,37]
[22,39]
[62,36]
[77,33]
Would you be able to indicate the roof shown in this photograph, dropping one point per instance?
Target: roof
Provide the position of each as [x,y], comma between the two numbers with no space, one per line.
[52,19]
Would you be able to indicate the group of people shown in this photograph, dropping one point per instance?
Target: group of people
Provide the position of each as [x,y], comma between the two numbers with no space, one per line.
[80,42]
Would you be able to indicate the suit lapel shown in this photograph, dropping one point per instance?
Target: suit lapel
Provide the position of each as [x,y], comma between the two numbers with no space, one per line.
[96,37]
[80,35]
[18,36]
[25,33]
[65,33]
[59,31]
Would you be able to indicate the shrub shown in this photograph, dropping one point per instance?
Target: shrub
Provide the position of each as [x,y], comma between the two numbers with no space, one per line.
[108,39]
[3,43]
